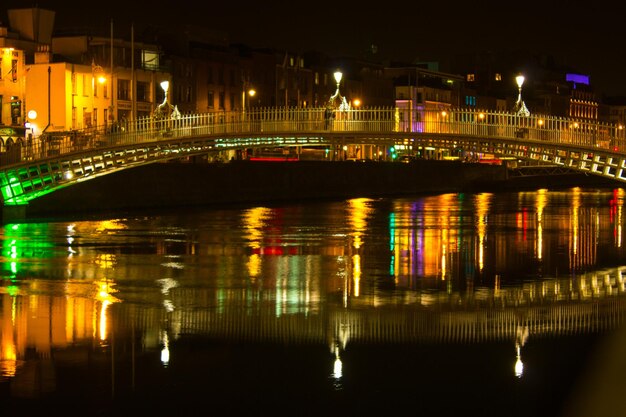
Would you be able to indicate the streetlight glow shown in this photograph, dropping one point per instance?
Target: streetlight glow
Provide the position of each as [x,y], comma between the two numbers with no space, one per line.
[520,106]
[338,75]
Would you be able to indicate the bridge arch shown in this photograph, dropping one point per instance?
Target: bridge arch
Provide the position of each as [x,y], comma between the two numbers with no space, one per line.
[48,163]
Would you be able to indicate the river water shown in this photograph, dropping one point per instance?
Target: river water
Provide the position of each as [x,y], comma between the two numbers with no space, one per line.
[490,304]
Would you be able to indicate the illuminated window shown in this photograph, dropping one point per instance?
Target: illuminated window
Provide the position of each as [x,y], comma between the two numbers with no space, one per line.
[470,77]
[150,60]
[498,76]
[317,78]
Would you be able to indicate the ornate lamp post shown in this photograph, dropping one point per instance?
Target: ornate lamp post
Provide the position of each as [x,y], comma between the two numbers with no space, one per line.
[520,106]
[343,103]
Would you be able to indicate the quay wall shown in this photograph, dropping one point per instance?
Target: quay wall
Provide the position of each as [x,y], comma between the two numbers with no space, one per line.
[188,184]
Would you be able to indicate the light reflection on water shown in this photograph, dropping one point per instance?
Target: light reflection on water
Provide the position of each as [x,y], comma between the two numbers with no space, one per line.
[444,270]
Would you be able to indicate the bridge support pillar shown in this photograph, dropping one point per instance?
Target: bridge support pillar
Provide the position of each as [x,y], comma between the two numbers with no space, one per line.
[13,213]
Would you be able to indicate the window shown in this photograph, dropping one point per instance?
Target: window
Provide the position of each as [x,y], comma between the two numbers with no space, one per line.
[86,118]
[222,99]
[123,89]
[143,91]
[14,70]
[317,78]
[150,60]
[470,77]
[470,101]
[232,101]
[498,76]
[210,99]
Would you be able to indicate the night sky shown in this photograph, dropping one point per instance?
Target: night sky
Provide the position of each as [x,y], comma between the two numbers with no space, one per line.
[586,36]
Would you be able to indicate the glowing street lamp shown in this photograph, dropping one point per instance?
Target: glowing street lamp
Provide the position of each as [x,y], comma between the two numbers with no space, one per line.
[165,85]
[343,104]
[338,76]
[520,106]
[251,92]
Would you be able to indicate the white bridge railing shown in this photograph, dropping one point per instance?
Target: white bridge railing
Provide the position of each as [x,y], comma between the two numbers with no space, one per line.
[285,121]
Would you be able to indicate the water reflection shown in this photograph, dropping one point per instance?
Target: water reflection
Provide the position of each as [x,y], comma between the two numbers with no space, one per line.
[444,269]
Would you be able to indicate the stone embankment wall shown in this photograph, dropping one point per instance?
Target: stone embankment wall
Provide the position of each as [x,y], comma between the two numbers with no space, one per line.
[170,185]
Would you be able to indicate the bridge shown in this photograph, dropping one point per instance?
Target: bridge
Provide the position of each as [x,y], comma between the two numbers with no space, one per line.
[34,166]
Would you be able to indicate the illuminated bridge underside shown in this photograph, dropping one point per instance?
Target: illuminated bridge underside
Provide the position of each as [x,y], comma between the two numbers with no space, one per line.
[24,183]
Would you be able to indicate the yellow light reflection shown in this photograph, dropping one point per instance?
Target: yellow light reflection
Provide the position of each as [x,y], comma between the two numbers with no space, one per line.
[482,202]
[356,274]
[8,349]
[358,211]
[109,225]
[254,265]
[574,225]
[254,220]
[105,260]
[540,204]
[103,295]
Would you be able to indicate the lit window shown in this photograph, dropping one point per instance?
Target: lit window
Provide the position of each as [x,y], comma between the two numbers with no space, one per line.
[470,77]
[498,76]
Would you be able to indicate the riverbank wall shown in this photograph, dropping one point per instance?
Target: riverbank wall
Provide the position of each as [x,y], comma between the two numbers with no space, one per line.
[178,184]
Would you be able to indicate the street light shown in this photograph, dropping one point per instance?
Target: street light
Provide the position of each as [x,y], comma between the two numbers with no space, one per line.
[343,104]
[251,92]
[165,85]
[520,106]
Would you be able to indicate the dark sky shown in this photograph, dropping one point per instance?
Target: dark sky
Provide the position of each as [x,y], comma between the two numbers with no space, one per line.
[587,36]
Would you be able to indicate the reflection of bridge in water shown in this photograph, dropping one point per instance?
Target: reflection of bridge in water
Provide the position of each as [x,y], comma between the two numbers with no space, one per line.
[595,303]
[34,168]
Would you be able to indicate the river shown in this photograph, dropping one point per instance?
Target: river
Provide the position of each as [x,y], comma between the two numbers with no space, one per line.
[490,304]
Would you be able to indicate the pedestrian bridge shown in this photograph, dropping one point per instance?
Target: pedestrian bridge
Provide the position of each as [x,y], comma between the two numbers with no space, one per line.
[33,166]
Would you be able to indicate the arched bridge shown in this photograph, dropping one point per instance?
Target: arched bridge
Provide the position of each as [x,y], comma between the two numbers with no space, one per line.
[31,167]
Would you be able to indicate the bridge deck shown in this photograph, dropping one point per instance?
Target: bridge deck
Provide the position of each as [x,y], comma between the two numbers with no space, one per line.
[34,167]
